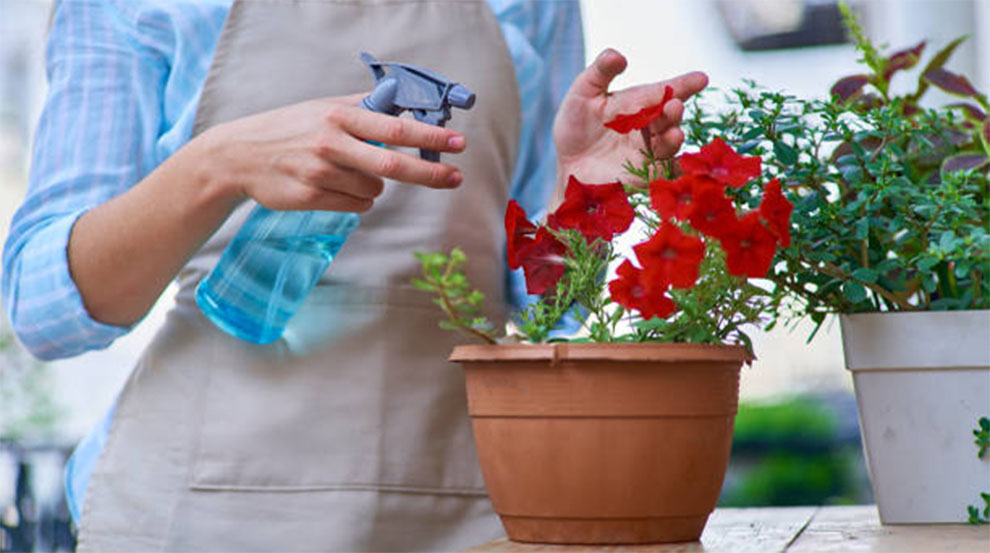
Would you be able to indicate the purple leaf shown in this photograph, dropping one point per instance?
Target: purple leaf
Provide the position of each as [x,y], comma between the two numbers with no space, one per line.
[963,162]
[848,87]
[953,83]
[911,108]
[937,62]
[970,111]
[905,59]
[986,132]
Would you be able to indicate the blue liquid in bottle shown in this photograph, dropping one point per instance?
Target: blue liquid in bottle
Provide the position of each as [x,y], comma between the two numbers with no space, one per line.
[268,269]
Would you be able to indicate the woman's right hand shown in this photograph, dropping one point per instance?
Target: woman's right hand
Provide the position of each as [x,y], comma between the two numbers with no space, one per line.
[315,155]
[306,156]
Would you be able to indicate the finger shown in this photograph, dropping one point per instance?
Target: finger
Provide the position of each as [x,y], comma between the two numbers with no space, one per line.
[317,172]
[595,78]
[397,131]
[634,98]
[673,112]
[346,180]
[688,84]
[349,100]
[294,195]
[400,166]
[330,200]
[669,142]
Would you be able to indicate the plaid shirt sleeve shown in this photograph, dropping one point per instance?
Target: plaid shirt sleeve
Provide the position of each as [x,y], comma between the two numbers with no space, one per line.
[96,137]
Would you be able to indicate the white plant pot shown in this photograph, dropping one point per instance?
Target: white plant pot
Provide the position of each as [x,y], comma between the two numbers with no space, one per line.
[922,382]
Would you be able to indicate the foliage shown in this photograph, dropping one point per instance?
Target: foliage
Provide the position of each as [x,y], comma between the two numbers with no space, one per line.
[791,452]
[982,441]
[891,204]
[797,420]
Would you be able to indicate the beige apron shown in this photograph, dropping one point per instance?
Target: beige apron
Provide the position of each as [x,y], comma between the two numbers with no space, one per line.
[351,432]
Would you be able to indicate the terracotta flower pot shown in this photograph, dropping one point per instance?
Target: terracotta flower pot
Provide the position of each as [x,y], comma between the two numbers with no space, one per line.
[603,443]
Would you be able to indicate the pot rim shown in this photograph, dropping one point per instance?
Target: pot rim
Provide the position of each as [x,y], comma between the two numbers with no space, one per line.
[634,352]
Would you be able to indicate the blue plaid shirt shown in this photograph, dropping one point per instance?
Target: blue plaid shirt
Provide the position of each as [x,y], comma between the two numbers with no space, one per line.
[125,78]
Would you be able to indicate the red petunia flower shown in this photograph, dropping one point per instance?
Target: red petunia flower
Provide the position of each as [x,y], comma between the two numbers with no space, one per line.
[675,199]
[542,261]
[519,232]
[749,247]
[776,211]
[596,210]
[635,121]
[671,256]
[634,291]
[720,162]
[713,213]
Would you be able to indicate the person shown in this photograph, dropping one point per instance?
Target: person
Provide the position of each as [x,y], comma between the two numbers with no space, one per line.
[165,122]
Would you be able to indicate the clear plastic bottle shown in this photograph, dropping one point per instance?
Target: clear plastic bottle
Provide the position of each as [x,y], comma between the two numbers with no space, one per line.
[268,269]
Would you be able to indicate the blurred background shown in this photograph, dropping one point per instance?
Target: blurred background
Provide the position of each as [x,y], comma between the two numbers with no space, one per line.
[797,439]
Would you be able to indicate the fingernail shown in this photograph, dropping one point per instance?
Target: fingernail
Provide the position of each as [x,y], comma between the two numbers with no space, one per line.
[455,178]
[455,142]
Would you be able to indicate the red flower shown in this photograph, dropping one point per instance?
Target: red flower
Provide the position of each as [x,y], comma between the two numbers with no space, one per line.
[776,211]
[635,121]
[597,210]
[671,256]
[713,212]
[749,247]
[519,232]
[633,290]
[720,162]
[542,261]
[676,199]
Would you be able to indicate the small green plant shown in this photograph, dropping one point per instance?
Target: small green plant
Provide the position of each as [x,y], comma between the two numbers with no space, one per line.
[982,441]
[975,516]
[443,275]
[982,433]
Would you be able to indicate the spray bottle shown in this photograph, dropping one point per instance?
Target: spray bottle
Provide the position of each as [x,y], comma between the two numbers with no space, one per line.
[277,257]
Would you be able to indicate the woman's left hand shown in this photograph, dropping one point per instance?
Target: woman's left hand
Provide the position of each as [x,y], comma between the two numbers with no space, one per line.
[595,154]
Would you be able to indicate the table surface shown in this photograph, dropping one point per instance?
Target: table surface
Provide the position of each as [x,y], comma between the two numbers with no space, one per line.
[794,530]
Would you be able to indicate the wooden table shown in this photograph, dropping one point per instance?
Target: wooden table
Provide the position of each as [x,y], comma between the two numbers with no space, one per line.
[794,530]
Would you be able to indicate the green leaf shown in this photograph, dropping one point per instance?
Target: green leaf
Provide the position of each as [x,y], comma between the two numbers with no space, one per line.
[854,291]
[925,264]
[865,275]
[423,285]
[948,241]
[784,153]
[862,229]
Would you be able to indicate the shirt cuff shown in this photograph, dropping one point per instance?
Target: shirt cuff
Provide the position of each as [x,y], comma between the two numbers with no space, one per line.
[49,316]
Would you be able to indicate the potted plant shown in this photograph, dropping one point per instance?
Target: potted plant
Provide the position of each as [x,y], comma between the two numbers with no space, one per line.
[890,231]
[621,434]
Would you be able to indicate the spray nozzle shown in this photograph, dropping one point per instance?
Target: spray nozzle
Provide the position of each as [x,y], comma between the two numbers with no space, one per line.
[400,87]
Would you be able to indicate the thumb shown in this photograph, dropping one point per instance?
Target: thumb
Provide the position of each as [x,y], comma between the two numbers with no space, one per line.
[595,78]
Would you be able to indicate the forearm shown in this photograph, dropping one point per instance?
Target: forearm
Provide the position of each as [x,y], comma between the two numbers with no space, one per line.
[123,253]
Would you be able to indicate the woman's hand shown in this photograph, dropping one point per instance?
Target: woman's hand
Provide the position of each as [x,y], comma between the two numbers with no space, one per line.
[595,154]
[311,155]
[315,155]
